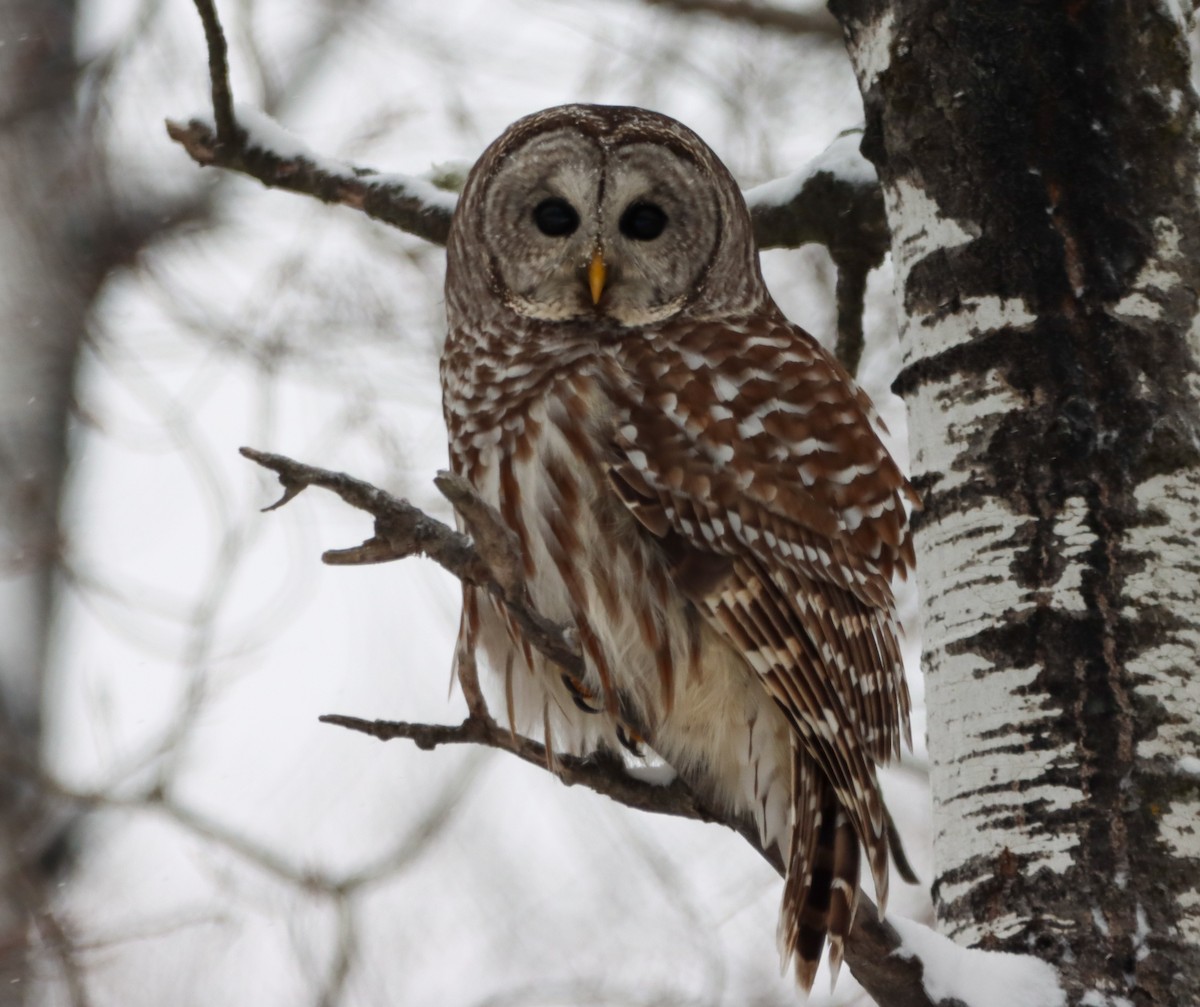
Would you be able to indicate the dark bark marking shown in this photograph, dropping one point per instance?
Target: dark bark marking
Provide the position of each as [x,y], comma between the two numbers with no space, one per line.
[1044,130]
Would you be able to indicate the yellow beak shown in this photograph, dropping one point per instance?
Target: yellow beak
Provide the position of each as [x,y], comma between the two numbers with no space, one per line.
[596,272]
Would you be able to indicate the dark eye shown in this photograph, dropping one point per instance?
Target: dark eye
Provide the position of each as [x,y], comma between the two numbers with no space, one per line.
[643,221]
[555,218]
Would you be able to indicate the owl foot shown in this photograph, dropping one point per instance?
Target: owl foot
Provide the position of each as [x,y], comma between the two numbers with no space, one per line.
[581,696]
[630,739]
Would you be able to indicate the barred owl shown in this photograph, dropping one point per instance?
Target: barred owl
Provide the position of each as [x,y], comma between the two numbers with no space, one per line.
[695,485]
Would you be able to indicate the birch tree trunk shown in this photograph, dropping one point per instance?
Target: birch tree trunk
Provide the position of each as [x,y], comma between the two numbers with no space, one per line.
[1039,163]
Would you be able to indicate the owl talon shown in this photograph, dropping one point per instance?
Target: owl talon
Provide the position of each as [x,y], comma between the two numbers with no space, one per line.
[631,740]
[580,695]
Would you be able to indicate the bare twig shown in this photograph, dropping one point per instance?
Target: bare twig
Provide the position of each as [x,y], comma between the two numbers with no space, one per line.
[409,204]
[218,74]
[403,530]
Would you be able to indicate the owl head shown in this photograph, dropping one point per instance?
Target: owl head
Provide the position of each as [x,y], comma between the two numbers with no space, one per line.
[601,214]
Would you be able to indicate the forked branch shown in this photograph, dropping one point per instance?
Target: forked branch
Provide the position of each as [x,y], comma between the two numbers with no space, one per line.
[487,559]
[840,209]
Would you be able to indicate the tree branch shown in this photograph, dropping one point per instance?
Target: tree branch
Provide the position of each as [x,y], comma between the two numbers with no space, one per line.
[842,210]
[402,530]
[408,203]
[873,949]
[836,201]
[218,73]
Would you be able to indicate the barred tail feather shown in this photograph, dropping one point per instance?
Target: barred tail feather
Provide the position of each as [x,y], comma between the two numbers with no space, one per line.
[820,895]
[802,916]
[843,892]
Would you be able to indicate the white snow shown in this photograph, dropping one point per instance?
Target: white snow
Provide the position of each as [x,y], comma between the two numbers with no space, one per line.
[661,775]
[420,189]
[264,133]
[1190,764]
[842,159]
[448,174]
[978,978]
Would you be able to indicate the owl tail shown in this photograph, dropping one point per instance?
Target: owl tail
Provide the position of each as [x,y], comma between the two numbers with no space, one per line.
[820,894]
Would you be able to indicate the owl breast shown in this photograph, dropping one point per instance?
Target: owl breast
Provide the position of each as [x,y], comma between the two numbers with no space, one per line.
[532,431]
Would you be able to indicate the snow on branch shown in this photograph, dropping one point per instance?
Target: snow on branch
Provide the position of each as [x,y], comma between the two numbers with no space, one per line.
[835,201]
[883,962]
[842,210]
[979,978]
[264,150]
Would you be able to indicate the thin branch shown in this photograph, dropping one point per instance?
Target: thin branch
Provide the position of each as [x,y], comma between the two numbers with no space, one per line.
[409,204]
[218,74]
[819,23]
[603,772]
[845,214]
[835,200]
[403,530]
[826,209]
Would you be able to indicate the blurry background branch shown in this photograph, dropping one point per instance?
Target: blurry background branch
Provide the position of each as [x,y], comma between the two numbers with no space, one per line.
[812,24]
[873,950]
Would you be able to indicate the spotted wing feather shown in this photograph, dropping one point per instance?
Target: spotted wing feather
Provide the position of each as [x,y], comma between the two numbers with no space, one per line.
[755,458]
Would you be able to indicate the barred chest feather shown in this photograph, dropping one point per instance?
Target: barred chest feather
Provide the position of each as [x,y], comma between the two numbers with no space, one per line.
[531,426]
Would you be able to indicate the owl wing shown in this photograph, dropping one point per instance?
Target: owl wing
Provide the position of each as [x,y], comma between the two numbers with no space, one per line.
[750,455]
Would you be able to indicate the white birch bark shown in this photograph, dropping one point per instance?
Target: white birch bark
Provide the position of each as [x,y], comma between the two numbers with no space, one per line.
[1044,839]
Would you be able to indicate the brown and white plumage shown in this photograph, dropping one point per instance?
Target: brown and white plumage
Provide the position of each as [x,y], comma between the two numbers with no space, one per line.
[694,483]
